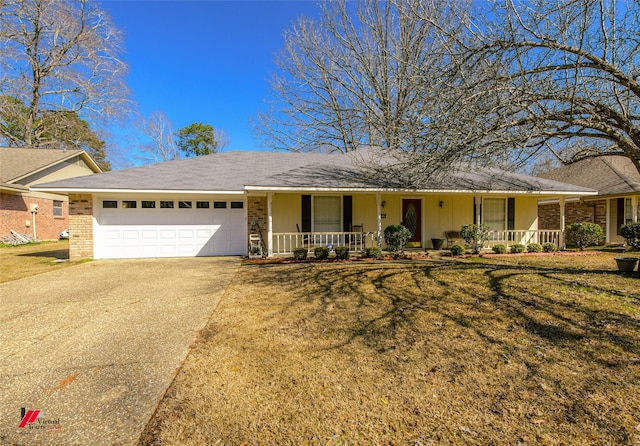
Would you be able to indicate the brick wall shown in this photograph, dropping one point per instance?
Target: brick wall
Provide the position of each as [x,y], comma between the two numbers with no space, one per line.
[257,211]
[80,226]
[15,211]
[575,212]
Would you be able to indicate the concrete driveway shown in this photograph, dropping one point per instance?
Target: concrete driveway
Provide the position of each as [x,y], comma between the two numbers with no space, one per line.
[94,347]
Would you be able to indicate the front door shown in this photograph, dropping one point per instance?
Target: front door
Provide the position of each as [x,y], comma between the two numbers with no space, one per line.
[412,219]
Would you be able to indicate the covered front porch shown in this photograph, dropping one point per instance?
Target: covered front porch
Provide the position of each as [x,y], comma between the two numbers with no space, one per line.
[357,219]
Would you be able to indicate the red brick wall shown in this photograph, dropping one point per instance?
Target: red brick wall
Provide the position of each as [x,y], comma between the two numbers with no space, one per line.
[15,211]
[575,212]
[80,226]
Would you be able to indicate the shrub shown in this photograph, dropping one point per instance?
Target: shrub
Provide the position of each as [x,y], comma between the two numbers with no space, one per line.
[499,249]
[584,234]
[321,253]
[475,236]
[534,247]
[631,234]
[373,252]
[300,253]
[457,250]
[342,252]
[396,237]
[517,248]
[549,247]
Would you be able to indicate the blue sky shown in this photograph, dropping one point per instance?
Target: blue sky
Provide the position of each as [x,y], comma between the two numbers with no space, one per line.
[204,61]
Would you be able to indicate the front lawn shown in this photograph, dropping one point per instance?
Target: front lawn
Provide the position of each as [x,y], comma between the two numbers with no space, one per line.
[509,350]
[27,260]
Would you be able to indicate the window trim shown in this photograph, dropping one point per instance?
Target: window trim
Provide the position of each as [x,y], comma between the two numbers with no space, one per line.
[59,208]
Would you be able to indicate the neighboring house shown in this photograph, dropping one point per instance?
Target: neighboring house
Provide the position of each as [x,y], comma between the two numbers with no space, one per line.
[210,205]
[618,184]
[22,168]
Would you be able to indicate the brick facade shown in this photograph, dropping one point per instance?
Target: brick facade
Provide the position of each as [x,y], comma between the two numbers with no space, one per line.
[15,213]
[257,212]
[574,212]
[80,226]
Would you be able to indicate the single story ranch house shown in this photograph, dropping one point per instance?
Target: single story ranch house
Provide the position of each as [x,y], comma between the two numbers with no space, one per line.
[222,204]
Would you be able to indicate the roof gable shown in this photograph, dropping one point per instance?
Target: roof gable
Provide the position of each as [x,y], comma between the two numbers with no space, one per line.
[609,175]
[19,163]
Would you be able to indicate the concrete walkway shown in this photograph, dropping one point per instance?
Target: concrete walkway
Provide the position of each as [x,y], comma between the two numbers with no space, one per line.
[94,347]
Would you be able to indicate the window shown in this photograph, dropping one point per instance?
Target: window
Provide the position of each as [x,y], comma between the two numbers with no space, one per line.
[202,204]
[628,211]
[129,204]
[57,208]
[148,204]
[166,204]
[109,204]
[219,204]
[494,213]
[237,205]
[326,214]
[184,204]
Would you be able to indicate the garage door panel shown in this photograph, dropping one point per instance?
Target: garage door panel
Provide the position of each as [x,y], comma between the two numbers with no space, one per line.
[133,233]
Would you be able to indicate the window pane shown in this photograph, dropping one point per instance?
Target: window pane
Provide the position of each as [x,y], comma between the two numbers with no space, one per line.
[129,204]
[628,211]
[219,204]
[149,204]
[326,214]
[166,204]
[202,204]
[237,205]
[184,204]
[109,204]
[57,208]
[494,213]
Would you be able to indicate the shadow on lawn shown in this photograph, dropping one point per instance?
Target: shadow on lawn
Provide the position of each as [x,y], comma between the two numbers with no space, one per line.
[576,312]
[61,254]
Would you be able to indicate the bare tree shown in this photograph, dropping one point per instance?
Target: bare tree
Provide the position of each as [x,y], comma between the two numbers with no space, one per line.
[162,146]
[564,76]
[58,55]
[364,74]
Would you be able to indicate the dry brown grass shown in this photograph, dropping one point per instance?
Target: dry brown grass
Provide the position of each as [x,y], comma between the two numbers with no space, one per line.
[514,350]
[21,261]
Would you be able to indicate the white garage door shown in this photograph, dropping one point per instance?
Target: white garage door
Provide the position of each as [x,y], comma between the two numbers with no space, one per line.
[169,228]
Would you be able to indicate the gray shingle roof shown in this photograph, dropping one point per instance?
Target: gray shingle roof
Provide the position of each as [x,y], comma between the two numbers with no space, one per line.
[236,171]
[609,175]
[16,163]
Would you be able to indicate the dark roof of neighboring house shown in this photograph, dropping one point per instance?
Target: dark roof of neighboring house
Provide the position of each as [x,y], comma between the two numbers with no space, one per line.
[19,163]
[609,175]
[244,170]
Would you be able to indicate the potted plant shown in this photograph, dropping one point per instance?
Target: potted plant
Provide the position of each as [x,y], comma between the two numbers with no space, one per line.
[626,264]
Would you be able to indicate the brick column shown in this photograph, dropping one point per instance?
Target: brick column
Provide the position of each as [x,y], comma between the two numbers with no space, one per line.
[80,226]
[257,211]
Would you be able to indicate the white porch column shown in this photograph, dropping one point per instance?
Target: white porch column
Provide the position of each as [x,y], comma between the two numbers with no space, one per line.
[562,223]
[607,225]
[379,218]
[478,210]
[634,207]
[269,225]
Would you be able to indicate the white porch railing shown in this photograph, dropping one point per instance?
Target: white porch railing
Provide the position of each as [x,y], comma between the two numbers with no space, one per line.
[523,237]
[286,242]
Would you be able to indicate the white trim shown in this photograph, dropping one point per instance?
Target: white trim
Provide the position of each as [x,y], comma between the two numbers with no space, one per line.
[138,191]
[413,191]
